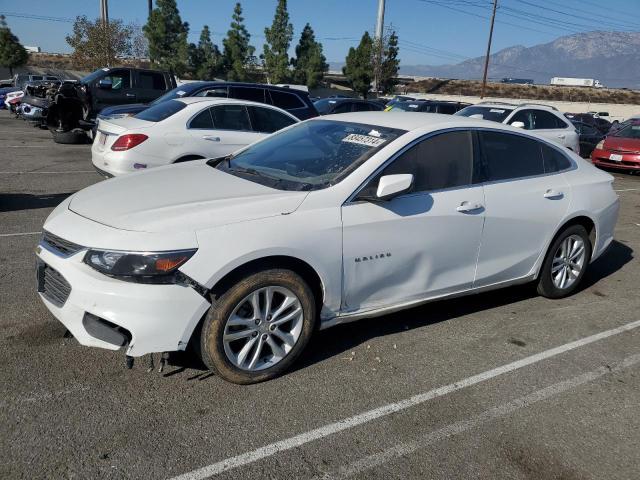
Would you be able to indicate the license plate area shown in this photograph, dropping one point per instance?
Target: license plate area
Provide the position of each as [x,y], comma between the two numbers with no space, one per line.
[615,157]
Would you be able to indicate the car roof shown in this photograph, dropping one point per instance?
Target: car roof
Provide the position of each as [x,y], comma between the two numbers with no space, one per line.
[221,101]
[222,83]
[414,121]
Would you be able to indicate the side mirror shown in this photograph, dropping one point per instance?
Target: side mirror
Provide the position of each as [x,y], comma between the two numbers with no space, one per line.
[517,124]
[105,84]
[391,186]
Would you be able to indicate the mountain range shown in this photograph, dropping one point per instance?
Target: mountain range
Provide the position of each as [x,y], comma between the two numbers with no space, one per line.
[611,57]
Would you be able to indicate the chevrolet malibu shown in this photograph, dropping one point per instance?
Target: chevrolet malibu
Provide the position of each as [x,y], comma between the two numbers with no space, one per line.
[334,219]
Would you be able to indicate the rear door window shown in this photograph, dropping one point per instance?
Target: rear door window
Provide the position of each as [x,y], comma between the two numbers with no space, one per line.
[231,117]
[506,156]
[248,93]
[220,92]
[284,100]
[268,120]
[343,107]
[447,109]
[151,80]
[120,79]
[361,107]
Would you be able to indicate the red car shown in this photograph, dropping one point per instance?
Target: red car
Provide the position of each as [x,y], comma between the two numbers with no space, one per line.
[620,150]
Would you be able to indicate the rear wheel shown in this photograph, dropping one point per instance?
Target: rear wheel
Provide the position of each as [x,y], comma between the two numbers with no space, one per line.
[257,328]
[566,263]
[72,137]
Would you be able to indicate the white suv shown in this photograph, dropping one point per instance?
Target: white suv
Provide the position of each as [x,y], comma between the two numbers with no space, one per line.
[544,120]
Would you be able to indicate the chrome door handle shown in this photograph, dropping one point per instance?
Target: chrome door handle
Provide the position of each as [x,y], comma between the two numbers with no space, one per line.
[130,95]
[553,194]
[211,138]
[466,207]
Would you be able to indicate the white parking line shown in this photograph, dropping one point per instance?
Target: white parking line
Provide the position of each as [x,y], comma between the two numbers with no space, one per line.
[368,416]
[19,234]
[26,146]
[456,428]
[40,172]
[627,190]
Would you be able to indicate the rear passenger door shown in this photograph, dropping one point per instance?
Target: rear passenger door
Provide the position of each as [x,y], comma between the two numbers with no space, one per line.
[526,197]
[290,102]
[149,86]
[221,130]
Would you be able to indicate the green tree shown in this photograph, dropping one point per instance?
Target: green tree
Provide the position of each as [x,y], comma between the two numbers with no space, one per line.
[359,66]
[12,53]
[238,53]
[205,60]
[309,64]
[389,64]
[275,56]
[98,44]
[167,35]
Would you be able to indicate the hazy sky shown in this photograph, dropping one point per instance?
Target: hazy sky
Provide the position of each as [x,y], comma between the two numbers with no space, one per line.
[431,31]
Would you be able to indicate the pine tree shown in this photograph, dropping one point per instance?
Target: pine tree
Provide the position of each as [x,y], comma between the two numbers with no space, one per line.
[359,67]
[12,53]
[309,64]
[238,53]
[390,64]
[205,58]
[167,35]
[278,38]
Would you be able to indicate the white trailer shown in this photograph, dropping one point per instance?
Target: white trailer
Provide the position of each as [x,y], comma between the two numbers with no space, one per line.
[576,82]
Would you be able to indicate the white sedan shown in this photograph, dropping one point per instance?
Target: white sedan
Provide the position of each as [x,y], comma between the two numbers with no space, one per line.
[181,130]
[334,219]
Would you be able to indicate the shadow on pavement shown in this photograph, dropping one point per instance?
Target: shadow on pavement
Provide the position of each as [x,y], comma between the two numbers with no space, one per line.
[10,202]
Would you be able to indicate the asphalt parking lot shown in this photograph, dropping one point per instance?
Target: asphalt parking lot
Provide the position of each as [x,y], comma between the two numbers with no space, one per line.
[500,385]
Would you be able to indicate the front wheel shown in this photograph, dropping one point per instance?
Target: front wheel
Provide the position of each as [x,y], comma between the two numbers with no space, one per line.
[566,263]
[257,328]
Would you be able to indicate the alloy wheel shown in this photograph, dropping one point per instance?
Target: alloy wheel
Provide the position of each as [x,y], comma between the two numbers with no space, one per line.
[568,262]
[263,328]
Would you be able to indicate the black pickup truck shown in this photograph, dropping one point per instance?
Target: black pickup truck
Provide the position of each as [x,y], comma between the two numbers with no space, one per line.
[73,107]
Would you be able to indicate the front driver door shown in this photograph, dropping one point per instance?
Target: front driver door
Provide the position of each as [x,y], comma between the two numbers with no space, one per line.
[421,244]
[121,91]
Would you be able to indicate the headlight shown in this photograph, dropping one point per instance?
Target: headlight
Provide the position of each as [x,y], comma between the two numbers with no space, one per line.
[600,145]
[149,267]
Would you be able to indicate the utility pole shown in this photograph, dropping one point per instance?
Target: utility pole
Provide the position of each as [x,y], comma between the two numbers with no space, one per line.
[378,39]
[150,7]
[104,20]
[104,11]
[486,59]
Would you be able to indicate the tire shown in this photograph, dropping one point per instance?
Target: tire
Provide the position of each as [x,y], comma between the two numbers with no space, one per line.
[72,137]
[252,329]
[558,263]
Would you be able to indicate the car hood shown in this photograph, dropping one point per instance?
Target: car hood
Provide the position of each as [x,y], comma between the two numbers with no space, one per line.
[185,197]
[624,144]
[131,108]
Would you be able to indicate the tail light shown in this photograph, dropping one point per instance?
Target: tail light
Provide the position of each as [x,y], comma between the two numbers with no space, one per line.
[127,142]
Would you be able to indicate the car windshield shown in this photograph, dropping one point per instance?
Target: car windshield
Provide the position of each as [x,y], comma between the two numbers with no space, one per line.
[309,156]
[630,131]
[495,114]
[162,111]
[410,106]
[178,92]
[94,75]
[324,105]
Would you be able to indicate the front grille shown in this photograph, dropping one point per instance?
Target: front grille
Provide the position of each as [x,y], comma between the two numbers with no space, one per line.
[53,286]
[60,245]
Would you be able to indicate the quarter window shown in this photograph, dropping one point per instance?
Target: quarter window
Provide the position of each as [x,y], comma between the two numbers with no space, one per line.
[554,161]
[202,120]
[267,120]
[442,161]
[231,117]
[286,101]
[508,155]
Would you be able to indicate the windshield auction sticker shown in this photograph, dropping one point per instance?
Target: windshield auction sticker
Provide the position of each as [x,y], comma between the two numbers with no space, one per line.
[364,140]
